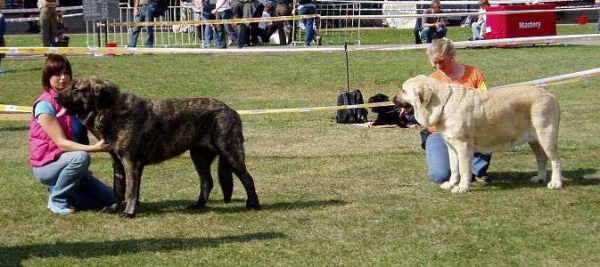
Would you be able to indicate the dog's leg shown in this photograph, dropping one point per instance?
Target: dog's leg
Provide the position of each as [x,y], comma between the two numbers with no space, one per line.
[202,159]
[230,148]
[549,144]
[225,179]
[118,185]
[454,173]
[460,166]
[542,161]
[546,128]
[133,177]
[237,162]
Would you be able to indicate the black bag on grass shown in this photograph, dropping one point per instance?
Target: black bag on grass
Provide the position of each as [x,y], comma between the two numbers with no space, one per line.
[347,97]
[353,115]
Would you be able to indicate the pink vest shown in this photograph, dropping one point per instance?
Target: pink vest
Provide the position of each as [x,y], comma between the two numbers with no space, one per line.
[42,150]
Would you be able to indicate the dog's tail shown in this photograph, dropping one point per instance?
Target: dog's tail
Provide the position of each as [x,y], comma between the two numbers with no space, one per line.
[225,179]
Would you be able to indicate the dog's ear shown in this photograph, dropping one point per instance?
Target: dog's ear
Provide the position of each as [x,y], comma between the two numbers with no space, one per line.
[423,94]
[105,93]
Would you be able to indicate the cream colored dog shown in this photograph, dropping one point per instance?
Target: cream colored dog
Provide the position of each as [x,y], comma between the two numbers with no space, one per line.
[485,121]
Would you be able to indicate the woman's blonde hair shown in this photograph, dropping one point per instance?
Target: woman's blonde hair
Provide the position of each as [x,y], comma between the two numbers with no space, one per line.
[440,48]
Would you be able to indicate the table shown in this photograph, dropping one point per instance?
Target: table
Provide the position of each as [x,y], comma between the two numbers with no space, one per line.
[520,25]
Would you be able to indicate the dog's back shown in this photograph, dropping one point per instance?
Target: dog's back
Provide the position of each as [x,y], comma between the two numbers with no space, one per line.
[513,114]
[190,122]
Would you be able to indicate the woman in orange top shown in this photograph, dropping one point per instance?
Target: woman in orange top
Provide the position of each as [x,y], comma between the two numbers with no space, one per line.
[441,55]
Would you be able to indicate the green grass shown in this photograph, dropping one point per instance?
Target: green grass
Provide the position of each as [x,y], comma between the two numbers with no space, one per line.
[332,194]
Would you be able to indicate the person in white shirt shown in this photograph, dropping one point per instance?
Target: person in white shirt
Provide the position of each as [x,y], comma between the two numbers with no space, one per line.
[478,26]
[223,11]
[265,26]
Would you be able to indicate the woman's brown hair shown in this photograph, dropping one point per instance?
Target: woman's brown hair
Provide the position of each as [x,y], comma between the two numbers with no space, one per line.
[55,64]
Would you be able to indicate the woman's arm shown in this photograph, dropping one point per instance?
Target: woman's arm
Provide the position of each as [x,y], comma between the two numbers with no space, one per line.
[51,126]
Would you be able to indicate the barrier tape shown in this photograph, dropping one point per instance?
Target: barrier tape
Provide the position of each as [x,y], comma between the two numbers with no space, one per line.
[346,17]
[212,22]
[16,109]
[537,40]
[37,10]
[561,79]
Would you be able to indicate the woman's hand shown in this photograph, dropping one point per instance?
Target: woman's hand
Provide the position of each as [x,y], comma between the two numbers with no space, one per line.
[102,146]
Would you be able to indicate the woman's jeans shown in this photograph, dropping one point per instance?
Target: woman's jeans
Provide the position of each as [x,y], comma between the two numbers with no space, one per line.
[438,162]
[308,23]
[428,33]
[72,184]
[207,29]
[476,27]
[146,14]
[221,40]
[598,26]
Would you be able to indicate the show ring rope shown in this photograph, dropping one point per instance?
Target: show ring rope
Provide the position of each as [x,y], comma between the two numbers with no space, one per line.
[561,79]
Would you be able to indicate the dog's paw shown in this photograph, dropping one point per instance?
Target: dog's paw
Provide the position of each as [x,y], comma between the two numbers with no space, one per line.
[128,215]
[111,209]
[446,185]
[537,180]
[252,206]
[554,185]
[460,189]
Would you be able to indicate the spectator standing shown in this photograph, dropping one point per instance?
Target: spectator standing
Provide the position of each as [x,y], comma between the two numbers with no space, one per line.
[34,27]
[222,10]
[143,11]
[205,31]
[432,25]
[478,26]
[307,7]
[247,32]
[48,20]
[597,2]
[2,31]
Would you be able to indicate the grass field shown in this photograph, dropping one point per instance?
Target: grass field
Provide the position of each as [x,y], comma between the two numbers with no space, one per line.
[332,194]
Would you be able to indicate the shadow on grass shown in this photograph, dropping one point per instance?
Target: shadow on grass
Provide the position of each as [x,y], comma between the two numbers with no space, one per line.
[512,180]
[14,129]
[235,206]
[12,256]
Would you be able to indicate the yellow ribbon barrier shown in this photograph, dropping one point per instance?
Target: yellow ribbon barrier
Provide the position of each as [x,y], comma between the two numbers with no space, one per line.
[561,79]
[211,22]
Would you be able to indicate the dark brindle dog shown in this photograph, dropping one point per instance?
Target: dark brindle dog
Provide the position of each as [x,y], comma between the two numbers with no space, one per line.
[143,132]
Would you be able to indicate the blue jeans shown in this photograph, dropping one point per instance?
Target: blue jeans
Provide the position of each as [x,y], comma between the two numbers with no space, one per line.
[208,29]
[438,162]
[308,23]
[598,26]
[72,184]
[221,43]
[477,30]
[146,14]
[2,31]
[429,31]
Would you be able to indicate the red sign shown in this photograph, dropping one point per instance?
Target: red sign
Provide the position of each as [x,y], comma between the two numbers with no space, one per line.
[520,25]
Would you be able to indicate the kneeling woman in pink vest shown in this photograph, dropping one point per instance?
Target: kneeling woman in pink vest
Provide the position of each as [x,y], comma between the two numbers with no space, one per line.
[59,148]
